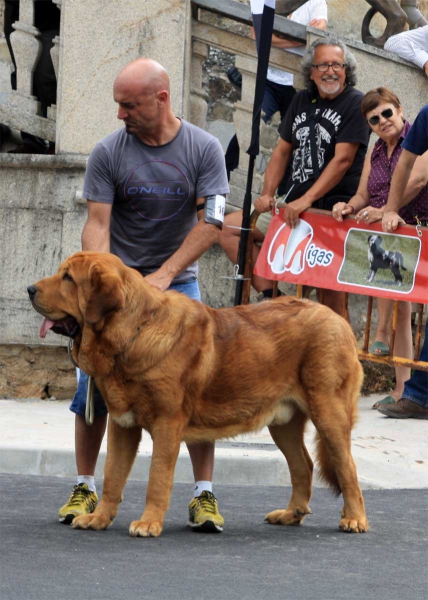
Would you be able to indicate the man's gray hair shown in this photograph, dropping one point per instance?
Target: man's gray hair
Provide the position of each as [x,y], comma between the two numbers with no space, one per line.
[308,59]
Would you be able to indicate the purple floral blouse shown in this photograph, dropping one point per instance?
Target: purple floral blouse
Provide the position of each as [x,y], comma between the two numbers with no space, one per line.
[380,177]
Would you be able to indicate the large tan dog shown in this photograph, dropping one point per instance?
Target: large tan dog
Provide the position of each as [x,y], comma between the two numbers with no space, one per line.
[184,371]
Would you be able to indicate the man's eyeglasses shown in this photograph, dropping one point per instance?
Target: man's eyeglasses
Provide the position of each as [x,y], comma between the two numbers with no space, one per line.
[324,67]
[386,114]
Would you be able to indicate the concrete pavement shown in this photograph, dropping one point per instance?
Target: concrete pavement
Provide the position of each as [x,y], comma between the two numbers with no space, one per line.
[37,438]
[251,560]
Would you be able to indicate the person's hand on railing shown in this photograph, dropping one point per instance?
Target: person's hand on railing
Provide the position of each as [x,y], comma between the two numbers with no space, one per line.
[369,215]
[293,209]
[341,209]
[264,203]
[391,220]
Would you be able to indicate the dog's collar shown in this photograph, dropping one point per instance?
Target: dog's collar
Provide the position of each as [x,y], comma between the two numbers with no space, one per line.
[139,328]
[70,352]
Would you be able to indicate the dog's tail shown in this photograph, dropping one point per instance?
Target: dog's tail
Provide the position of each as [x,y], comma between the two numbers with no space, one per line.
[326,469]
[325,456]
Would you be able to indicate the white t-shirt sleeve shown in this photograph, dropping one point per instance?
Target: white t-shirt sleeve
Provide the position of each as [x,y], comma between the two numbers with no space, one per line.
[319,10]
[411,45]
[314,9]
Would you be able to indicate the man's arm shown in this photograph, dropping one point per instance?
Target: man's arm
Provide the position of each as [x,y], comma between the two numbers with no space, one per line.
[283,44]
[96,232]
[396,199]
[198,240]
[335,170]
[361,198]
[418,179]
[274,174]
[278,42]
[411,45]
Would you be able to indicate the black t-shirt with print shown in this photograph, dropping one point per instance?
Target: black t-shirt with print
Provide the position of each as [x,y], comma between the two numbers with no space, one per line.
[336,121]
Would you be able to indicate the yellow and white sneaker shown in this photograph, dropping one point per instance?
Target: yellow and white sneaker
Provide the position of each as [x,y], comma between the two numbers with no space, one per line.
[204,515]
[81,502]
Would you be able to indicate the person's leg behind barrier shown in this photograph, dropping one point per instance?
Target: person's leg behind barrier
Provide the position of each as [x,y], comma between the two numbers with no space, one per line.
[416,388]
[229,242]
[333,299]
[414,402]
[270,104]
[403,346]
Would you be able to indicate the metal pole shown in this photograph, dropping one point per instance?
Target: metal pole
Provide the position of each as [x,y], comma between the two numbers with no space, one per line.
[246,214]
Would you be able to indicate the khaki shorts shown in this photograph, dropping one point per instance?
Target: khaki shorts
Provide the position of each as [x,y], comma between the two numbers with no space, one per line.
[263,221]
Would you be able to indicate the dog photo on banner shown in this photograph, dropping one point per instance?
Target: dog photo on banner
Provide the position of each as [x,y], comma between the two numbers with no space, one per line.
[381,261]
[346,256]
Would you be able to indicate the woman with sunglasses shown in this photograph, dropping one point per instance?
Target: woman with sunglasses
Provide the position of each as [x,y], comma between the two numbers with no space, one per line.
[384,114]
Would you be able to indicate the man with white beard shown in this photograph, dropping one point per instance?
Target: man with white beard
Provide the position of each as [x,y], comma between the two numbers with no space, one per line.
[323,139]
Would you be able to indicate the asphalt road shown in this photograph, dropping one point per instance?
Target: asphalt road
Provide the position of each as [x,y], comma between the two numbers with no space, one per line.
[42,559]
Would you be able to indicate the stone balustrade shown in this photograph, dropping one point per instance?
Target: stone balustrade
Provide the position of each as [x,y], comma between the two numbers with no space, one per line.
[20,109]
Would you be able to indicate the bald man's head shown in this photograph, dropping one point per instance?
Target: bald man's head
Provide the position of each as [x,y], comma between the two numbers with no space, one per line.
[142,92]
[143,75]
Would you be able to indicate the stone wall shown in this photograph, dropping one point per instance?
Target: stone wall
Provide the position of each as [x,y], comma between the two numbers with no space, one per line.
[91,57]
[41,213]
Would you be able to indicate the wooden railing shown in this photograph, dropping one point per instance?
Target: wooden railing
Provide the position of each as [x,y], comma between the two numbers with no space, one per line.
[364,354]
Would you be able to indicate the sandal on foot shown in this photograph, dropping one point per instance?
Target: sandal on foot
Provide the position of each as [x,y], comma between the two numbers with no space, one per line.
[387,400]
[379,348]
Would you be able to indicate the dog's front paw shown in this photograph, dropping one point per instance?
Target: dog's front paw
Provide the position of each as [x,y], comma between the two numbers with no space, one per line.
[92,521]
[287,516]
[145,528]
[360,525]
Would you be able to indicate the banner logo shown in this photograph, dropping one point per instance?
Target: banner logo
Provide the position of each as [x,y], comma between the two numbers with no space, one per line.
[289,254]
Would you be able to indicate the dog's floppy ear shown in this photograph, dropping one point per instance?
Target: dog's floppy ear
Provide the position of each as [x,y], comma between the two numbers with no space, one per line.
[104,293]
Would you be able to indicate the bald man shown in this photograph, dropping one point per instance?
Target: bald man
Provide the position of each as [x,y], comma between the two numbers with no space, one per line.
[155,191]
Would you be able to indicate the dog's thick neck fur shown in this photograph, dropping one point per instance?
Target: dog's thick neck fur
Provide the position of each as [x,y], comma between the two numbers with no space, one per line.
[144,308]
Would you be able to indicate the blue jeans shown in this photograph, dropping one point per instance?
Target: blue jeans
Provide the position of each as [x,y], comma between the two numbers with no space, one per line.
[416,388]
[78,405]
[277,98]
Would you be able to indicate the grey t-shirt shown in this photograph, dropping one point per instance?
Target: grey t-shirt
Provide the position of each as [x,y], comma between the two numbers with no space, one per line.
[153,190]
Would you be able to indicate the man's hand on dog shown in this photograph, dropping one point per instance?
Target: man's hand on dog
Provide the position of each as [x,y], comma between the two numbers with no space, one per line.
[159,280]
[391,220]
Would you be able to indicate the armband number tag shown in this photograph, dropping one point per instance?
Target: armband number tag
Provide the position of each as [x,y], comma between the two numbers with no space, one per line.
[220,206]
[215,206]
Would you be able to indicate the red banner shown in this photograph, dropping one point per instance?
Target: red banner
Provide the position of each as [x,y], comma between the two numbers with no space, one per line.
[346,256]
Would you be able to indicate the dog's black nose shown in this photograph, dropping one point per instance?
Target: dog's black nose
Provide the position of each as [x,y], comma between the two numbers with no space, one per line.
[31,289]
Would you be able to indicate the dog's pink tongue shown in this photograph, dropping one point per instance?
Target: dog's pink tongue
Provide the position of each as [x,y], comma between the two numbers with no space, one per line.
[46,325]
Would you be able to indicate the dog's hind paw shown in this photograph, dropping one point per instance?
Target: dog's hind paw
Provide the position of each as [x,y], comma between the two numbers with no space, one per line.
[145,529]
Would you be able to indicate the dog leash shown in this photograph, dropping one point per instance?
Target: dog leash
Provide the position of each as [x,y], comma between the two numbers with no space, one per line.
[89,410]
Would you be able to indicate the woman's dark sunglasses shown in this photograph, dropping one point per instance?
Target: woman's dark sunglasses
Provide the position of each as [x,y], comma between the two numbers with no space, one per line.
[386,114]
